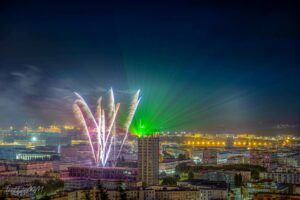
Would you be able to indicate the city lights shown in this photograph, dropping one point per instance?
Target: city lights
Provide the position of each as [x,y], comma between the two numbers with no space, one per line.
[149,100]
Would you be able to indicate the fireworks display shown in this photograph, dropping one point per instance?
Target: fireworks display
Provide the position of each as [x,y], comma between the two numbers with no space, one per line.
[102,126]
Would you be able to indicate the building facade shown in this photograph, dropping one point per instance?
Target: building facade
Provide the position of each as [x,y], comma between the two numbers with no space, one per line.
[207,189]
[148,160]
[263,158]
[281,177]
[210,156]
[274,196]
[109,173]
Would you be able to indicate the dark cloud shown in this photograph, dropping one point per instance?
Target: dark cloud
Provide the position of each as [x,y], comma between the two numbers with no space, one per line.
[29,97]
[26,97]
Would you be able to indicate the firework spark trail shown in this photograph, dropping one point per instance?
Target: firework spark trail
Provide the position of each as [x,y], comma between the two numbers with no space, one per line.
[111,103]
[112,110]
[109,132]
[104,128]
[98,117]
[80,117]
[102,133]
[87,110]
[133,106]
[113,119]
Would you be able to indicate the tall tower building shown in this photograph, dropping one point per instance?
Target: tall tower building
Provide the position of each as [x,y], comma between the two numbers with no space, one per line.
[148,160]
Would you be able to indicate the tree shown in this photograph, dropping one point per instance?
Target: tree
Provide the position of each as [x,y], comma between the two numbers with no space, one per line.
[255,174]
[171,181]
[163,174]
[238,180]
[87,194]
[182,168]
[50,186]
[45,198]
[167,155]
[181,157]
[190,175]
[177,177]
[3,196]
[123,195]
[101,194]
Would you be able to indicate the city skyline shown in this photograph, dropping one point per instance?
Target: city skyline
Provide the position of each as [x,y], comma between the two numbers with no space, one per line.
[212,66]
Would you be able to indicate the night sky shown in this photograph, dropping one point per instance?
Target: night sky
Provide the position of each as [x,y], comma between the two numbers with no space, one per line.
[214,66]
